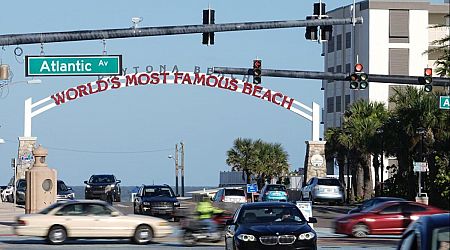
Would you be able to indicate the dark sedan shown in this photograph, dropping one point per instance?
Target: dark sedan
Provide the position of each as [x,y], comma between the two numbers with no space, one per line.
[428,232]
[373,202]
[269,225]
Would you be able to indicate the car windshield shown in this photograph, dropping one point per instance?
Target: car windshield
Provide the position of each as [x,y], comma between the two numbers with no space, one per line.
[101,179]
[329,182]
[158,191]
[50,208]
[276,188]
[271,215]
[62,186]
[234,192]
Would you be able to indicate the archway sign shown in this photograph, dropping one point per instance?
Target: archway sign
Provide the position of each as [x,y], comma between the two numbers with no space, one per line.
[180,78]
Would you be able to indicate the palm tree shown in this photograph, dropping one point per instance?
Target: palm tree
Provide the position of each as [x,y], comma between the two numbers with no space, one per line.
[334,149]
[272,161]
[242,157]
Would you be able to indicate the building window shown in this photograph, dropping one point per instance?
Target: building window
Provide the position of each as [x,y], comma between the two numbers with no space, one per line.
[331,45]
[347,68]
[399,61]
[348,40]
[330,104]
[338,104]
[338,42]
[331,70]
[339,69]
[347,101]
[398,26]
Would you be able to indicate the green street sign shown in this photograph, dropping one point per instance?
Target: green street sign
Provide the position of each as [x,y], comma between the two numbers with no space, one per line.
[70,65]
[444,102]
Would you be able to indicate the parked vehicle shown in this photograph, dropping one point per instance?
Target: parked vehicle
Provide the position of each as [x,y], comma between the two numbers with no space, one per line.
[89,219]
[7,194]
[274,225]
[273,192]
[103,187]
[195,231]
[373,202]
[156,200]
[323,189]
[428,232]
[64,192]
[232,195]
[391,217]
[21,191]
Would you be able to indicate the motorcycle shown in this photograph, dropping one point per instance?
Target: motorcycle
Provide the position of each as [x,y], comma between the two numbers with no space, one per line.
[195,231]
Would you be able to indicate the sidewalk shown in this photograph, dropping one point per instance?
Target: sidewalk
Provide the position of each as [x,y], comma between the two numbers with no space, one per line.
[8,213]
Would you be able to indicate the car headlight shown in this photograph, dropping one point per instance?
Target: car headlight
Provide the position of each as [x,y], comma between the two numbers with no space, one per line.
[71,195]
[306,236]
[88,186]
[246,237]
[113,185]
[146,203]
[176,204]
[163,224]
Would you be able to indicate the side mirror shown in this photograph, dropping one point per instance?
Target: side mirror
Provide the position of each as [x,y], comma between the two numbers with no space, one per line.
[312,220]
[85,182]
[229,222]
[115,213]
[119,181]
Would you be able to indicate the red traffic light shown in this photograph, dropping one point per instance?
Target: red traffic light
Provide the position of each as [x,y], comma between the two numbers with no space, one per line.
[358,67]
[256,64]
[428,72]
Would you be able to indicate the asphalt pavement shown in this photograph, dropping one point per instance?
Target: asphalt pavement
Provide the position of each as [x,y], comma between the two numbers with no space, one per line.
[326,238]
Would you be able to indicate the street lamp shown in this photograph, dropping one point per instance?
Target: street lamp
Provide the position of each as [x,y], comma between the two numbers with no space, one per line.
[380,132]
[421,132]
[176,167]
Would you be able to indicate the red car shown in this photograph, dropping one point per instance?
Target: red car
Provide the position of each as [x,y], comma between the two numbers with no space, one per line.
[391,217]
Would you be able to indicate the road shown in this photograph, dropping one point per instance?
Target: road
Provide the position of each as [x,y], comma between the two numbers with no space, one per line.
[326,238]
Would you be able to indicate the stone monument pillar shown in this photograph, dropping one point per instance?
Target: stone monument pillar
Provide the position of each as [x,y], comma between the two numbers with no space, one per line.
[25,156]
[315,164]
[41,183]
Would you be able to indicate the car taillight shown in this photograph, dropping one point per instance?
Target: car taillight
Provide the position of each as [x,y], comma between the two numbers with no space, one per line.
[266,193]
[222,198]
[21,223]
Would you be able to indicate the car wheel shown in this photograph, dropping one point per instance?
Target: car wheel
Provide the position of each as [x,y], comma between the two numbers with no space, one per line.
[360,230]
[188,238]
[57,235]
[143,235]
[134,209]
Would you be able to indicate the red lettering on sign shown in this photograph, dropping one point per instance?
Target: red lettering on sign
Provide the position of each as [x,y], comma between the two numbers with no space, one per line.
[199,79]
[115,82]
[247,88]
[165,74]
[267,95]
[130,79]
[176,76]
[155,78]
[287,100]
[58,98]
[91,90]
[186,78]
[274,98]
[208,81]
[75,94]
[82,90]
[233,85]
[99,85]
[223,83]
[143,79]
[257,89]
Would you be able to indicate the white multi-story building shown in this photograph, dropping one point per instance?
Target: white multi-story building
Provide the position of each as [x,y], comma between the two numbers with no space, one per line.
[391,41]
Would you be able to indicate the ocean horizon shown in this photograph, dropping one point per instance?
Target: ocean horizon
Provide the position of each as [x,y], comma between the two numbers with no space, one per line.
[128,190]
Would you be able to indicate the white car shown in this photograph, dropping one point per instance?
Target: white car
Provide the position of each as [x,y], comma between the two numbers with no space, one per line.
[7,194]
[89,219]
[232,195]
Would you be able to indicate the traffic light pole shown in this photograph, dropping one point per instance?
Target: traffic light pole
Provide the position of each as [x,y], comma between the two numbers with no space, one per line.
[83,35]
[399,79]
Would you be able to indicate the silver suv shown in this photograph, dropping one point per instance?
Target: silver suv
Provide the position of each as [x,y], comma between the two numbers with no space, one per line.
[323,189]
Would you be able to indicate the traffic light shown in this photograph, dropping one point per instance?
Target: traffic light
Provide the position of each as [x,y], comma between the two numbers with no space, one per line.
[359,79]
[208,18]
[256,71]
[428,79]
[311,31]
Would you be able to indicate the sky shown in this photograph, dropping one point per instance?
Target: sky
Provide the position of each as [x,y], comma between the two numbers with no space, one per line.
[150,120]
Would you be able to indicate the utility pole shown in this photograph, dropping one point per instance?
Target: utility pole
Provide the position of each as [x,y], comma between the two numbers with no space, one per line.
[182,169]
[176,169]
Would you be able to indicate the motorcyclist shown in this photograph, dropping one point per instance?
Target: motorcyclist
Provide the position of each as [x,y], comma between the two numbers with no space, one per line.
[205,211]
